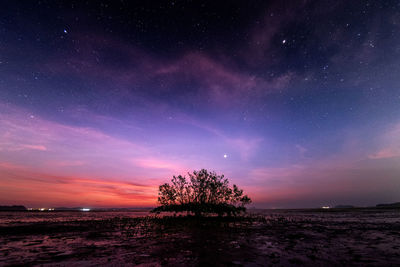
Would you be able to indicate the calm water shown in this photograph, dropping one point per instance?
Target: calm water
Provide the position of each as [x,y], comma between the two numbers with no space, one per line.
[7,218]
[365,215]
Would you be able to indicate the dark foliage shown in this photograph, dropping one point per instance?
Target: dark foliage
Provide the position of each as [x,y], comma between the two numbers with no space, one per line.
[202,192]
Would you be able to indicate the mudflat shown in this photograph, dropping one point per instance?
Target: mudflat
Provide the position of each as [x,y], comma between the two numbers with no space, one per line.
[263,237]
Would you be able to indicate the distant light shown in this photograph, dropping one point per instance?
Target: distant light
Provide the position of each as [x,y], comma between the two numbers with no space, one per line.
[325,207]
[225,156]
[85,209]
[42,209]
[284,41]
[65,31]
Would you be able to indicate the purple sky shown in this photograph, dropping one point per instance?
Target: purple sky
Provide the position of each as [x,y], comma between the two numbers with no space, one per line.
[101,103]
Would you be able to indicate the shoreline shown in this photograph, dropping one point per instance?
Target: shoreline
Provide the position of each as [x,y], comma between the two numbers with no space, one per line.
[280,238]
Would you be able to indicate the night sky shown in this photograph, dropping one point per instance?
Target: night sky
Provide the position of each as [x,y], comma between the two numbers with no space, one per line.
[297,102]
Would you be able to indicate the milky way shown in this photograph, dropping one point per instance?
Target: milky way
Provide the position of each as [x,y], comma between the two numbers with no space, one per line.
[298,102]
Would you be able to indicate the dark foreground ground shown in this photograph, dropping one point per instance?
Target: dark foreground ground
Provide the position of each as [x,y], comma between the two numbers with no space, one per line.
[283,238]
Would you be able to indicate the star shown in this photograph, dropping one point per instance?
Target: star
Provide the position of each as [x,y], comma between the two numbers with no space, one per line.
[225,156]
[65,31]
[284,41]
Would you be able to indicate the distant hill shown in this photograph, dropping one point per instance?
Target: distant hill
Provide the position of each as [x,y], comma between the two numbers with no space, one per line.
[12,208]
[389,205]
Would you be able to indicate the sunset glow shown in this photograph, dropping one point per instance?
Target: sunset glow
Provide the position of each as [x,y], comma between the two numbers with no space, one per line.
[98,114]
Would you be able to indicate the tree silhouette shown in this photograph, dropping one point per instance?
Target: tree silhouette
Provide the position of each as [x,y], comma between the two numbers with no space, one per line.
[201,192]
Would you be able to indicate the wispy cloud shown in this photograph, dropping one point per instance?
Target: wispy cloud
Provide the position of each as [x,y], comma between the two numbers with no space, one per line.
[211,80]
[38,188]
[86,149]
[388,143]
[155,163]
[34,147]
[384,154]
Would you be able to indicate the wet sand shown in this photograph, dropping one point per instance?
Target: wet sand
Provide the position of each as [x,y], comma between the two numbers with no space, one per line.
[271,237]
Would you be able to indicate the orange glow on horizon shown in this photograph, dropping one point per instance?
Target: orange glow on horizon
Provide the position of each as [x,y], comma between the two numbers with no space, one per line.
[39,189]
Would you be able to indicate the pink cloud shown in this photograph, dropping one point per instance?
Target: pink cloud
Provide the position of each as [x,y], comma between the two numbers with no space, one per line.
[384,154]
[223,84]
[153,163]
[87,149]
[388,143]
[34,147]
[216,80]
[38,188]
[65,163]
[9,165]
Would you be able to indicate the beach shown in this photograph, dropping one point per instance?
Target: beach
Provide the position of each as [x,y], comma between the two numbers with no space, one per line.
[265,237]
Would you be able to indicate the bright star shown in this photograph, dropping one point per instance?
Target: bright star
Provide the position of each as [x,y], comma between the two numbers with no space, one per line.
[284,41]
[225,156]
[65,31]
